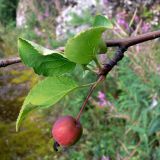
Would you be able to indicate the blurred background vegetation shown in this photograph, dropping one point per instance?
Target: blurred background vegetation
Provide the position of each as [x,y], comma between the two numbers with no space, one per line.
[122,118]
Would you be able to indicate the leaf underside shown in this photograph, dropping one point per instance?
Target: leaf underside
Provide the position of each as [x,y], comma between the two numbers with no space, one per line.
[44,61]
[80,49]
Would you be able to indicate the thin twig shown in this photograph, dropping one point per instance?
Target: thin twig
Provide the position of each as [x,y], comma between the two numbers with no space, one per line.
[118,56]
[102,75]
[123,146]
[133,18]
[126,42]
[6,62]
[133,40]
[121,29]
[100,79]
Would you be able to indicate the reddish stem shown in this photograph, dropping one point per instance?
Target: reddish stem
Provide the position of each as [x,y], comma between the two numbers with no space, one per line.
[100,79]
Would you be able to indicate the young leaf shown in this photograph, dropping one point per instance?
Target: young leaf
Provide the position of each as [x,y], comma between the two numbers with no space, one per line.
[102,21]
[44,61]
[45,94]
[83,47]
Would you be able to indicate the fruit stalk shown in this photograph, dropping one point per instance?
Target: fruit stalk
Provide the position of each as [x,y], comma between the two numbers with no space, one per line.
[100,79]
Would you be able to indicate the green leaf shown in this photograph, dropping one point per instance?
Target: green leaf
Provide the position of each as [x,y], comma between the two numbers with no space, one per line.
[54,64]
[102,21]
[138,129]
[102,46]
[45,94]
[44,61]
[154,126]
[83,47]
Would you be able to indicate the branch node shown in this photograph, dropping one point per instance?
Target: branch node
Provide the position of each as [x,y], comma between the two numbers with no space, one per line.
[123,44]
[118,56]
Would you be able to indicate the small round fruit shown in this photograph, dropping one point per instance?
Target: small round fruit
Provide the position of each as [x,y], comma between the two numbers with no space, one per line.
[67,131]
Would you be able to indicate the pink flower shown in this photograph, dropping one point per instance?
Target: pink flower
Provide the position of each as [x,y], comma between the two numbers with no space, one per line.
[46,14]
[102,99]
[145,27]
[137,19]
[101,95]
[40,17]
[121,20]
[105,158]
[105,2]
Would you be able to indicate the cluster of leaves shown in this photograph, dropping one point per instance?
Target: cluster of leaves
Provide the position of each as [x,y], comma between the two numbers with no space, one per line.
[56,66]
[132,127]
[107,136]
[103,135]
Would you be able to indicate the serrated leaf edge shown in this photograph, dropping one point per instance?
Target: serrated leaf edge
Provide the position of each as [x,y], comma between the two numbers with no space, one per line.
[19,120]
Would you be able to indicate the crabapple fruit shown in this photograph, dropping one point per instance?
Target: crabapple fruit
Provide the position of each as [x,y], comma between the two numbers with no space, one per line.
[67,131]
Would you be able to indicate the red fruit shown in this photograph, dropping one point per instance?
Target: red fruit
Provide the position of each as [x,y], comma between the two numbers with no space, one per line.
[67,131]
